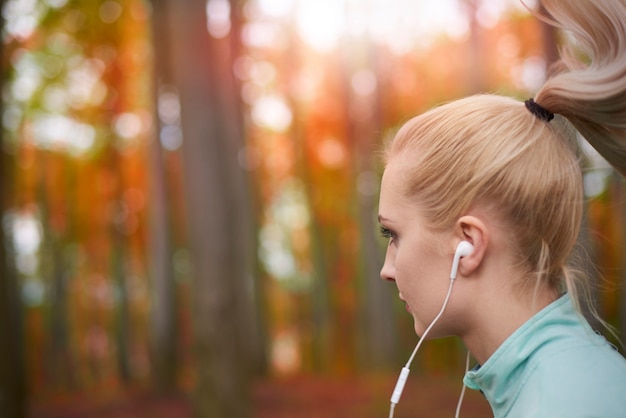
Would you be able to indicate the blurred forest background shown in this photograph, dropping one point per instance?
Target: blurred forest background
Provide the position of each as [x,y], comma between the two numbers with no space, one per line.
[189,197]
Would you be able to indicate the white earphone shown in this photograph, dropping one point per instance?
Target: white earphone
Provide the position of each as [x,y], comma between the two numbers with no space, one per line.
[463,249]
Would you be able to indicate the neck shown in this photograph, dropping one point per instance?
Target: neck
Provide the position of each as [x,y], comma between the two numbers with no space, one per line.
[497,315]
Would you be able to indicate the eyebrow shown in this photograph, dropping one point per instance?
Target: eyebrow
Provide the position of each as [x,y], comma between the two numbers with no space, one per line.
[381,218]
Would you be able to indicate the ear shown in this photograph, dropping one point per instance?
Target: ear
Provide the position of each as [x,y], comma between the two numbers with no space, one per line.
[472,229]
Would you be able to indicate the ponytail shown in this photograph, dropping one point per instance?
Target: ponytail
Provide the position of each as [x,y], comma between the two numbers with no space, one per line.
[591,93]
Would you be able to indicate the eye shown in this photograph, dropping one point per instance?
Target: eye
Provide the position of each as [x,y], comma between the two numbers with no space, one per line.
[386,233]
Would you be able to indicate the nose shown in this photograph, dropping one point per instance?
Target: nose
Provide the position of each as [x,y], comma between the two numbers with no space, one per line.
[388,271]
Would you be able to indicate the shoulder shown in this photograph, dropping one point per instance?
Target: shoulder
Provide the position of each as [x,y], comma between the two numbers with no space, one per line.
[590,366]
[580,380]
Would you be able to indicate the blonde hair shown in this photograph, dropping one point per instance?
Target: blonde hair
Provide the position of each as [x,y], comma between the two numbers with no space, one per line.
[491,150]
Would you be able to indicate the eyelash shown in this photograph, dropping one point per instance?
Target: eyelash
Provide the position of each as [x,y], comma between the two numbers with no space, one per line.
[386,233]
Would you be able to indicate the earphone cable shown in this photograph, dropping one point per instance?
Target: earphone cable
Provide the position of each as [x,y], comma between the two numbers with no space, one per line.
[460,402]
[395,397]
[432,324]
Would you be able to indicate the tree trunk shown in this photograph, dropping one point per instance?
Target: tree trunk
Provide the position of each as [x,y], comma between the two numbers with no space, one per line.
[379,339]
[59,370]
[12,377]
[162,271]
[252,312]
[12,385]
[216,208]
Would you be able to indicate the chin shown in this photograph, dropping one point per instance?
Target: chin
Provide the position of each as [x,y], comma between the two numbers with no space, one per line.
[420,328]
[433,334]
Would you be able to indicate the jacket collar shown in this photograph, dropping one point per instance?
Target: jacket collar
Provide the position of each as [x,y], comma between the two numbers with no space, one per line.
[501,378]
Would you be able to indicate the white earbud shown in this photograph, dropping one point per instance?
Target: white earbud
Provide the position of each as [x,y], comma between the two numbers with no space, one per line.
[463,249]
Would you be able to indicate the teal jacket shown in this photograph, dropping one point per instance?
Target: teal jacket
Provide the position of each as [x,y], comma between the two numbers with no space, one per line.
[553,366]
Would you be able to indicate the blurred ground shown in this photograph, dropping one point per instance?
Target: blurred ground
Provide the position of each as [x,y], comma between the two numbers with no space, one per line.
[301,397]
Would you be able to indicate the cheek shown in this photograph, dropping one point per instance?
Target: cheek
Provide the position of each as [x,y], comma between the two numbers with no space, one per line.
[421,276]
[409,273]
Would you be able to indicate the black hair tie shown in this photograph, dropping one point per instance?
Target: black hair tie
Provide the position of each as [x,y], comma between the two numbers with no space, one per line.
[538,110]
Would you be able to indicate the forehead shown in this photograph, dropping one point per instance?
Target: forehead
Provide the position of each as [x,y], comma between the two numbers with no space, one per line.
[392,196]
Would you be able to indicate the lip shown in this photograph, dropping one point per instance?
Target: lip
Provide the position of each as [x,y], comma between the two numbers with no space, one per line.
[406,305]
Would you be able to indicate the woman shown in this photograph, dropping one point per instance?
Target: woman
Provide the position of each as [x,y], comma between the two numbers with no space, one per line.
[504,176]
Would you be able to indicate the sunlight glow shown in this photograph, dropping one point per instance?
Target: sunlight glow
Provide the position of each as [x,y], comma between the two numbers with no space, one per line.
[84,83]
[412,23]
[287,215]
[285,352]
[171,137]
[21,17]
[490,12]
[218,18]
[171,134]
[28,75]
[272,112]
[169,106]
[276,8]
[262,72]
[128,125]
[263,35]
[320,23]
[26,233]
[11,117]
[278,261]
[62,132]
[400,24]
[532,73]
